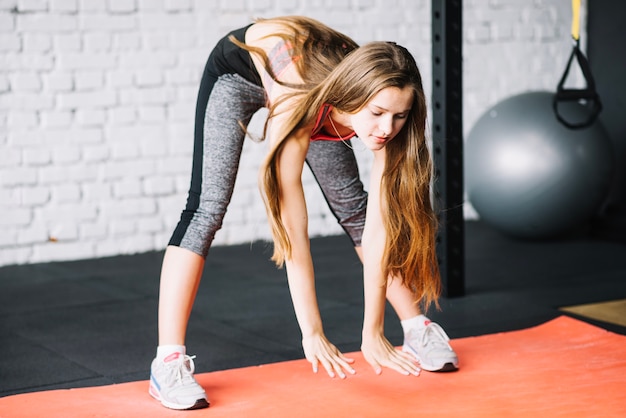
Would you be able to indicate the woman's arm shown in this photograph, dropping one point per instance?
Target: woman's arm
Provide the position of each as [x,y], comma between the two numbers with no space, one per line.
[300,272]
[295,220]
[299,264]
[376,349]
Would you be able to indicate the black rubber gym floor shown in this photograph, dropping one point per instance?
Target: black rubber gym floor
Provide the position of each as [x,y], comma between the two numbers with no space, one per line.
[93,322]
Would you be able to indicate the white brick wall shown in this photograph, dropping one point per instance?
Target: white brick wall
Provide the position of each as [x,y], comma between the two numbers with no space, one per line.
[97,102]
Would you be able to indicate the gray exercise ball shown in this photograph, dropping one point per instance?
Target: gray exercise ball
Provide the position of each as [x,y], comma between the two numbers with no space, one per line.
[528,175]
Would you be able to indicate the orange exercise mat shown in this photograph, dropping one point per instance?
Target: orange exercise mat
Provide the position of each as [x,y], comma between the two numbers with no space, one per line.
[563,368]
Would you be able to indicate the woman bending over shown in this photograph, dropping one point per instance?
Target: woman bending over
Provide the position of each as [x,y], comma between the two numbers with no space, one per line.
[322,90]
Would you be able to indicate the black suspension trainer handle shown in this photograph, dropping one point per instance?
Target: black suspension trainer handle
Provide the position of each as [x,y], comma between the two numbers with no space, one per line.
[588,94]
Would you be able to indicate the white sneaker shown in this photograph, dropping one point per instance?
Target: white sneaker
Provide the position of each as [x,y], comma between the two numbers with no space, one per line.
[429,344]
[172,383]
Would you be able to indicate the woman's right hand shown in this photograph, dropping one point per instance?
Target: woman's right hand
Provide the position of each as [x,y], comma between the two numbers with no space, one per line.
[318,350]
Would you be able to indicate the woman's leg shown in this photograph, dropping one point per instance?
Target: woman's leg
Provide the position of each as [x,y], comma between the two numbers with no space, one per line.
[233,102]
[402,300]
[180,278]
[217,150]
[335,168]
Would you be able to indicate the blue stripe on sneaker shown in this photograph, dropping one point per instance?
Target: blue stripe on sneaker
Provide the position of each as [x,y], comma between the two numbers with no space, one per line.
[153,380]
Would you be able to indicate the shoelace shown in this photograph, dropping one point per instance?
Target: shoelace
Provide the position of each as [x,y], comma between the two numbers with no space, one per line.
[434,337]
[182,368]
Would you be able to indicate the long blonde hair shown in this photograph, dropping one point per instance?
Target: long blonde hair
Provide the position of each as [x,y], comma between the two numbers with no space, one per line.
[356,76]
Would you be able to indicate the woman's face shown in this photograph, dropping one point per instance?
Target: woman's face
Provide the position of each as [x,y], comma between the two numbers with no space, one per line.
[382,117]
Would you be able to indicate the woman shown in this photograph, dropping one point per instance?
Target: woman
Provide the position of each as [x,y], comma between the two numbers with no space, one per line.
[321,90]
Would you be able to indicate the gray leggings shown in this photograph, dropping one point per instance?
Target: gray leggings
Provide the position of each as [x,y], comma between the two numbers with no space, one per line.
[233,100]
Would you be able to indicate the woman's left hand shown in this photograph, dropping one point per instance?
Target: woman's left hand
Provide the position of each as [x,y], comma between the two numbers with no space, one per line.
[379,352]
[318,350]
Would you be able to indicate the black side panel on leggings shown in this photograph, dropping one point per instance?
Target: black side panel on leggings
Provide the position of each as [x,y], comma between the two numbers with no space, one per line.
[226,58]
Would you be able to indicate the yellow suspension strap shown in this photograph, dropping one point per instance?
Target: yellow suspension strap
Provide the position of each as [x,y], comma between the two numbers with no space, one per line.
[587,95]
[576,20]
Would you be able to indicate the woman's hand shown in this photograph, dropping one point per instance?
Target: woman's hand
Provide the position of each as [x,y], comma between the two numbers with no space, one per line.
[379,353]
[317,349]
